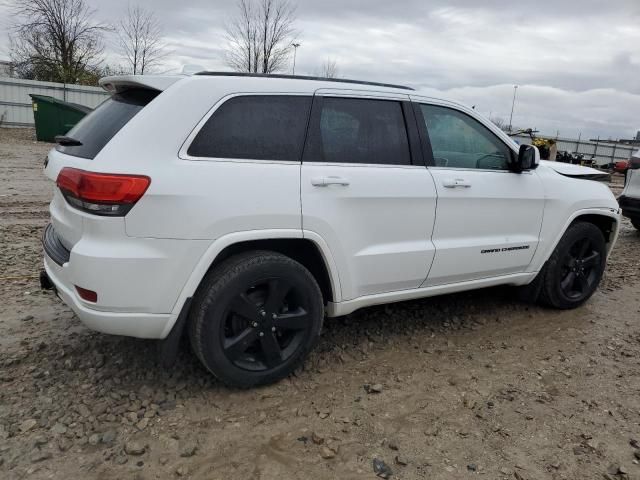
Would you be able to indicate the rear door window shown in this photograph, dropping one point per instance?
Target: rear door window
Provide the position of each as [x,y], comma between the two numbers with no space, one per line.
[355,130]
[255,127]
[96,129]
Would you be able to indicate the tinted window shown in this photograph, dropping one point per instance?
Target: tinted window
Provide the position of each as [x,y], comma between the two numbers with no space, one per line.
[352,130]
[96,129]
[459,141]
[270,127]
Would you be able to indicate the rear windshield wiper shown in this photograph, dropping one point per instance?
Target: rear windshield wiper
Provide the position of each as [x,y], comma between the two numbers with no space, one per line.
[67,141]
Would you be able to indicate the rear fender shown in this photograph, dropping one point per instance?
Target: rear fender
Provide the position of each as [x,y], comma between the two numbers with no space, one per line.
[220,244]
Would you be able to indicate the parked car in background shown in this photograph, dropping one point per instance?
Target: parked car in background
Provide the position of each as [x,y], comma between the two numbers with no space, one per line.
[245,207]
[634,161]
[575,158]
[621,166]
[630,198]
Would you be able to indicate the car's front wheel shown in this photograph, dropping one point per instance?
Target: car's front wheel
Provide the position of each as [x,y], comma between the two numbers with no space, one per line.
[574,270]
[255,318]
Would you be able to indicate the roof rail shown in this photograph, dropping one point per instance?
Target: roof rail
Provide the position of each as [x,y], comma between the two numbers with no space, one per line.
[302,77]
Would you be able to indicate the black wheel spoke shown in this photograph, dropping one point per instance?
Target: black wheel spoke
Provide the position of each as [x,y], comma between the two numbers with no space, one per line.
[583,282]
[278,290]
[567,282]
[271,350]
[297,320]
[592,260]
[243,306]
[584,248]
[570,261]
[236,346]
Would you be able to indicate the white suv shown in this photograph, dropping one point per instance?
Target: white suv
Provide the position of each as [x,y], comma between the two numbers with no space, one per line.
[246,208]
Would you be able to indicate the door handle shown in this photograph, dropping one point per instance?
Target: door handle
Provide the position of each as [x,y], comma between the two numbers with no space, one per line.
[456,183]
[326,181]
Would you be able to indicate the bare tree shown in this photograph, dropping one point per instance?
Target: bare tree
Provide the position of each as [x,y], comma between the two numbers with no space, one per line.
[329,68]
[260,37]
[499,122]
[141,40]
[56,40]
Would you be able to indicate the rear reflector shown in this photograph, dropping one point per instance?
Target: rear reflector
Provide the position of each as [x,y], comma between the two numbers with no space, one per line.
[88,295]
[101,193]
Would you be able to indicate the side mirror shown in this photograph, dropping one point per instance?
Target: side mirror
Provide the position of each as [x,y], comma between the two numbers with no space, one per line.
[528,159]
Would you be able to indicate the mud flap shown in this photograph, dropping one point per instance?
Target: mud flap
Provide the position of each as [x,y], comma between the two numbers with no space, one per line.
[169,347]
[45,281]
[530,293]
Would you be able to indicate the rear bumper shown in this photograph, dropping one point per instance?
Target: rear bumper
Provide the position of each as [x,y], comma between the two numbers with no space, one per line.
[141,325]
[137,280]
[630,206]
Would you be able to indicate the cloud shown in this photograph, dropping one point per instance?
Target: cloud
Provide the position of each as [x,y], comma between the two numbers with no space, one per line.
[554,110]
[577,63]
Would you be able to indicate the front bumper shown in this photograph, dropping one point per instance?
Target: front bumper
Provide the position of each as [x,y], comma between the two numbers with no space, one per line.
[141,325]
[630,206]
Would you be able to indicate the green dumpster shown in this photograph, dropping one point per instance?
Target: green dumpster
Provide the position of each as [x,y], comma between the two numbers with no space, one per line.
[55,117]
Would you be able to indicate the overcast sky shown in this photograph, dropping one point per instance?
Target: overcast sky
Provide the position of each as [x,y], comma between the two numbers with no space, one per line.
[576,62]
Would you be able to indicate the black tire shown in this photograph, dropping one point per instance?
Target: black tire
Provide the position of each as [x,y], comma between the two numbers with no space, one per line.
[255,318]
[636,223]
[574,270]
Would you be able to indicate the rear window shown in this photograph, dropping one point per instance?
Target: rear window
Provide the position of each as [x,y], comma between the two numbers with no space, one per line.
[96,129]
[255,127]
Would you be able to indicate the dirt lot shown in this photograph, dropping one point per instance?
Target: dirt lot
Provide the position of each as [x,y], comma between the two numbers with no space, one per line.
[466,385]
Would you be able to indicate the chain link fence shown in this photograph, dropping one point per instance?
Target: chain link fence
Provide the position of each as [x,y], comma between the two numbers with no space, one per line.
[602,151]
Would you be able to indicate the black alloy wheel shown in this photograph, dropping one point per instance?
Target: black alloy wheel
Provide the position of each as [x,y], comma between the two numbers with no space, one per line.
[574,270]
[581,269]
[265,324]
[255,318]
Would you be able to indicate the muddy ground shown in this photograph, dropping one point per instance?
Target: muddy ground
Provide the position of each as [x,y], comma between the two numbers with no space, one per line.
[466,385]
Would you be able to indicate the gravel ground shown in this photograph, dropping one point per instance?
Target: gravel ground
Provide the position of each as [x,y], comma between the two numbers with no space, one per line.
[465,385]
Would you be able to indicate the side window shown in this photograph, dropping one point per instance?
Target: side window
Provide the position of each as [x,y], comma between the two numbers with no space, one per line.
[256,127]
[351,130]
[459,141]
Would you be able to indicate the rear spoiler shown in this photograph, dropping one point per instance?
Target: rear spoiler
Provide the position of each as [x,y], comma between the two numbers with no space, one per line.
[120,83]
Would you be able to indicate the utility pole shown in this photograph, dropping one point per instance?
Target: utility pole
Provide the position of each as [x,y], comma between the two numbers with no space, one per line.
[295,51]
[513,104]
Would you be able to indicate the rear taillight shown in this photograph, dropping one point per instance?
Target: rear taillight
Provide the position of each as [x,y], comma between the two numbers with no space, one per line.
[101,193]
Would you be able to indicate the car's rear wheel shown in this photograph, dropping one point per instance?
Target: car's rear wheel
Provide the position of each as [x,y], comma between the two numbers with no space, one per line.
[574,270]
[255,318]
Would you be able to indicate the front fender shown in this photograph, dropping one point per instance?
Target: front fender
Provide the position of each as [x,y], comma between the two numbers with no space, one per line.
[548,241]
[566,199]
